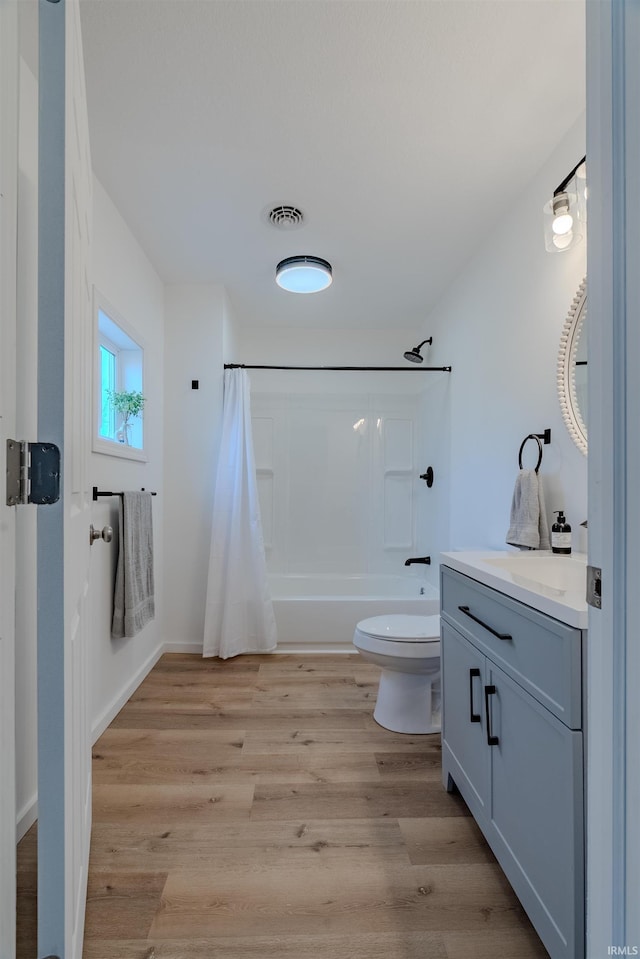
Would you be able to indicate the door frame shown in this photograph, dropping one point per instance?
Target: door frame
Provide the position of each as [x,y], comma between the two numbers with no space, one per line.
[613,766]
[52,829]
[8,290]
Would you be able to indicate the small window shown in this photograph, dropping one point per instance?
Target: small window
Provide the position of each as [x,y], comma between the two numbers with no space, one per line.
[108,384]
[119,369]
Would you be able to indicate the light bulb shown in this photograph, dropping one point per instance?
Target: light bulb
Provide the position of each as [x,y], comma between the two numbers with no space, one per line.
[562,219]
[562,224]
[564,216]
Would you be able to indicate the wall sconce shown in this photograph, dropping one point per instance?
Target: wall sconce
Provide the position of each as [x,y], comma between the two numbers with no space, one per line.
[565,215]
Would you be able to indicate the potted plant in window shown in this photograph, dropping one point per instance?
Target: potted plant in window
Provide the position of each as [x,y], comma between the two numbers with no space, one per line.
[127,404]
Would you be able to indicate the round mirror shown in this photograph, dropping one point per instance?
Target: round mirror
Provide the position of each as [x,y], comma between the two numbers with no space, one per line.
[572,369]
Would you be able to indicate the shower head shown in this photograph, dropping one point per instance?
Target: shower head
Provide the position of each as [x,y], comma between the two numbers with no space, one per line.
[414,355]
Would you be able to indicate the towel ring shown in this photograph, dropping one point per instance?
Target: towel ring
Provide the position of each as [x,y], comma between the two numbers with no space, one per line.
[531,436]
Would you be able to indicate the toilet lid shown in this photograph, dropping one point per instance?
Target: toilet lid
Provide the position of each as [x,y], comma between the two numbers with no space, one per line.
[402,626]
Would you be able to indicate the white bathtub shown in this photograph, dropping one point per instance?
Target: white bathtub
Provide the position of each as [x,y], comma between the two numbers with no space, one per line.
[320,613]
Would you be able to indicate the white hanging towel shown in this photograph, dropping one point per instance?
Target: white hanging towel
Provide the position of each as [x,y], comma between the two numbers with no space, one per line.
[239,613]
[529,526]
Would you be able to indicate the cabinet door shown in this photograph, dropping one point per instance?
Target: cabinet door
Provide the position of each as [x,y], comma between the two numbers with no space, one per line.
[537,812]
[465,756]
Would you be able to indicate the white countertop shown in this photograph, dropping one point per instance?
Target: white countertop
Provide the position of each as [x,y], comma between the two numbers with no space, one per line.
[551,583]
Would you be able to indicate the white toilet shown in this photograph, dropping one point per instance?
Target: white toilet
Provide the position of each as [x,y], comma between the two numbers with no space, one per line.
[408,650]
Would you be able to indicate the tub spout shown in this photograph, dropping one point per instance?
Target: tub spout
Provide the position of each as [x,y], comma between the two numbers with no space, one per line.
[418,559]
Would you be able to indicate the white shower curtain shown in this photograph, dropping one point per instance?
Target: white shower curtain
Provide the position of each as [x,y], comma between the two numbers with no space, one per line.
[239,613]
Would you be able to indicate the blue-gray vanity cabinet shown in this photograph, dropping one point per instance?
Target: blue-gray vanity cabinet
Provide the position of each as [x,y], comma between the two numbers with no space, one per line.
[518,766]
[463,682]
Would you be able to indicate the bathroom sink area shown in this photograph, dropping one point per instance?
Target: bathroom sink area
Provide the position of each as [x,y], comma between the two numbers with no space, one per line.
[553,584]
[561,574]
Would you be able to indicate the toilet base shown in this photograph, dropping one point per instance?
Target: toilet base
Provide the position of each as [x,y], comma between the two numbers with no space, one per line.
[408,702]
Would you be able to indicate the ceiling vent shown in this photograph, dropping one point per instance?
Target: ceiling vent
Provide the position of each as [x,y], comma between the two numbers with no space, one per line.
[286,217]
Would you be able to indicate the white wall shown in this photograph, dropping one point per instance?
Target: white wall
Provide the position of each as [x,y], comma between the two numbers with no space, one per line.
[499,326]
[199,336]
[229,332]
[325,347]
[123,274]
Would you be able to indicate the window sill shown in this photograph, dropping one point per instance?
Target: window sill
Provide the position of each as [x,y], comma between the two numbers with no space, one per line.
[121,450]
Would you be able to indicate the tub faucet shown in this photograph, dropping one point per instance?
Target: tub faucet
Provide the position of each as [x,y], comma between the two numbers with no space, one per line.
[418,559]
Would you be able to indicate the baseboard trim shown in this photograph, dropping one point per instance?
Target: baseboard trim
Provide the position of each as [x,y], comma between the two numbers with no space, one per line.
[182,648]
[26,817]
[116,705]
[315,648]
[282,648]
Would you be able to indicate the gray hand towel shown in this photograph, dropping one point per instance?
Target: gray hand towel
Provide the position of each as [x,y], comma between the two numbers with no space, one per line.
[528,526]
[133,597]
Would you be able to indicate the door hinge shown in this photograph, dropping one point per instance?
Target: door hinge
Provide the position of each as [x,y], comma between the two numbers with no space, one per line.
[594,586]
[33,473]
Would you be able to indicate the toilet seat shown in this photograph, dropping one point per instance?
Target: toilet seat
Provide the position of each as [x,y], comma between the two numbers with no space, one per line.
[402,627]
[400,635]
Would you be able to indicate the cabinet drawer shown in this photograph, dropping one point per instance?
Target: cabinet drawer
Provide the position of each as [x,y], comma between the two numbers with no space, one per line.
[542,654]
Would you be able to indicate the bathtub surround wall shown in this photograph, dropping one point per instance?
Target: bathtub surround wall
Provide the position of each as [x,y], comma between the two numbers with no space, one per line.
[337,479]
[393,425]
[500,325]
[123,274]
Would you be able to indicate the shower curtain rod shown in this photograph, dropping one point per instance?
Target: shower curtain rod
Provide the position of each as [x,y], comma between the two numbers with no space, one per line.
[364,369]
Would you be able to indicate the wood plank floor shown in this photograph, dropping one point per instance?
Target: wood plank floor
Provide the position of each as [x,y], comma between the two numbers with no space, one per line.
[253,809]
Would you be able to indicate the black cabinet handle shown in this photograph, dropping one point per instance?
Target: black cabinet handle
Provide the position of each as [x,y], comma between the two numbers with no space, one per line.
[465,610]
[491,739]
[473,717]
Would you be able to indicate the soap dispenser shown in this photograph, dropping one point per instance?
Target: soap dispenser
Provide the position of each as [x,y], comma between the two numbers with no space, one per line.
[561,535]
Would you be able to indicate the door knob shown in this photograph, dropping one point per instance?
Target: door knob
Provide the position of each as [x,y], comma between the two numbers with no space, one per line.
[106,533]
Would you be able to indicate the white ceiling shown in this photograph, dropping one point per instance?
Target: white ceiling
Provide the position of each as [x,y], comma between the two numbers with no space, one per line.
[399,127]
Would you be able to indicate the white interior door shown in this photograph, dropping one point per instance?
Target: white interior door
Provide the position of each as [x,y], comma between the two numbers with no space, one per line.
[8,252]
[64,355]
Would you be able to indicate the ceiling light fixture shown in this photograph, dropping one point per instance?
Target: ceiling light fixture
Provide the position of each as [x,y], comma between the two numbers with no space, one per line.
[304,274]
[414,355]
[565,214]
